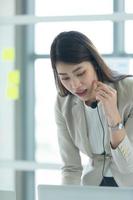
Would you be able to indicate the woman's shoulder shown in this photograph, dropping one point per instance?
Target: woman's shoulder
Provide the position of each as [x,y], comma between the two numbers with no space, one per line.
[125,88]
[65,102]
[125,84]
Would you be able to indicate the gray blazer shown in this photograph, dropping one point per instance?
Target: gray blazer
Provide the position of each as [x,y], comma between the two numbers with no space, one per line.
[73,138]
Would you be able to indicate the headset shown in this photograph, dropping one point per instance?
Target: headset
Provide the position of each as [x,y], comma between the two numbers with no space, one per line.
[94,105]
[104,151]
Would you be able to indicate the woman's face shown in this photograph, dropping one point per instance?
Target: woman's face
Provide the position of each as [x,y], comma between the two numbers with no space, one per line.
[79,79]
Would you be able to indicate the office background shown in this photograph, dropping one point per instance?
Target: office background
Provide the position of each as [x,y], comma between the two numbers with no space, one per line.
[28,144]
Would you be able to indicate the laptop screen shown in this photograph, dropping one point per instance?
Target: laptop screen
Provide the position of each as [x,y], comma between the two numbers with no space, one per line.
[67,192]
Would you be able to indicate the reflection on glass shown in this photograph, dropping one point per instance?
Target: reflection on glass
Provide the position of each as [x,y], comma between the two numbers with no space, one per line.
[128,36]
[128,6]
[7,8]
[7,105]
[96,31]
[49,177]
[131,66]
[45,128]
[72,7]
[122,65]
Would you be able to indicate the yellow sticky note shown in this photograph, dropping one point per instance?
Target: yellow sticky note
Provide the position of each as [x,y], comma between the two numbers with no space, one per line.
[8,54]
[14,77]
[13,92]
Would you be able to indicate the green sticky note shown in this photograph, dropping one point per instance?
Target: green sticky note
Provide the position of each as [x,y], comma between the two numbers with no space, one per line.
[14,77]
[8,54]
[13,92]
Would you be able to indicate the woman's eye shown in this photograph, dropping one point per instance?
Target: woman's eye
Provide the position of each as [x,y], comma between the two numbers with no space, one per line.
[80,74]
[65,78]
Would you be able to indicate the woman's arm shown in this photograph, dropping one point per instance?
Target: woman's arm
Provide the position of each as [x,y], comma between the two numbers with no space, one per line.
[72,168]
[123,153]
[121,140]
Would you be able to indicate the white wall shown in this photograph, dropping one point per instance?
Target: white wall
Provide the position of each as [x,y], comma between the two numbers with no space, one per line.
[7,8]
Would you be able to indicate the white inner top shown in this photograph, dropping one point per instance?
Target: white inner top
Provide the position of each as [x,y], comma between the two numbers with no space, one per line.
[95,131]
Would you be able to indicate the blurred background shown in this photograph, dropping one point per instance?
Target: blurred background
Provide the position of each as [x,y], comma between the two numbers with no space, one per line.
[29,152]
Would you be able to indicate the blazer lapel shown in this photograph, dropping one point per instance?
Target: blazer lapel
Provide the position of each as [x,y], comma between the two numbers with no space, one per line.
[80,124]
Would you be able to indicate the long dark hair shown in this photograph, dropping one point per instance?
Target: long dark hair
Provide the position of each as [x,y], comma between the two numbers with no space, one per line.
[73,47]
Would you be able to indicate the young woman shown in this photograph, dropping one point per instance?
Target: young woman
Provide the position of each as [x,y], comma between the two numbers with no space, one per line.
[94,114]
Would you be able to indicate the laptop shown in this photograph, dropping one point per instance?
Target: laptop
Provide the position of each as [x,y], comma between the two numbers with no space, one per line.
[67,192]
[7,195]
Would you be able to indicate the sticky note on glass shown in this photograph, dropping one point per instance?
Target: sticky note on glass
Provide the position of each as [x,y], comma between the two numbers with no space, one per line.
[8,54]
[13,92]
[14,77]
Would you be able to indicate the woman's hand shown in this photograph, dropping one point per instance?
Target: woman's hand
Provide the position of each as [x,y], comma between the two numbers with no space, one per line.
[108,96]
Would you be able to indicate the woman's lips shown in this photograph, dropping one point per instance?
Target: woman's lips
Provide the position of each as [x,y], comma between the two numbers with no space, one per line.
[81,93]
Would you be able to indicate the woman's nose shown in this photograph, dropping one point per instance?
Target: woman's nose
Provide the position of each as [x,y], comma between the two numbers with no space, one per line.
[75,83]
